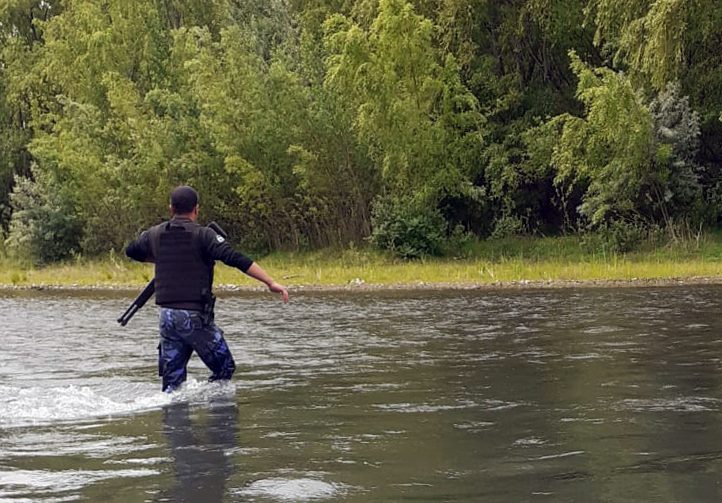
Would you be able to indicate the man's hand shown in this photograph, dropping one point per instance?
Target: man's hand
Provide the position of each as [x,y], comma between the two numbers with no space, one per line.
[257,272]
[276,288]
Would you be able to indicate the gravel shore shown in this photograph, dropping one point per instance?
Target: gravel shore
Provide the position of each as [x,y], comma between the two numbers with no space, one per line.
[361,286]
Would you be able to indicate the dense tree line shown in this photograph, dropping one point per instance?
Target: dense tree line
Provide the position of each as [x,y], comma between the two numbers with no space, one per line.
[325,122]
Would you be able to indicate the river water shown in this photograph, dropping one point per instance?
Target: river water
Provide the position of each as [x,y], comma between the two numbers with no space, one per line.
[499,396]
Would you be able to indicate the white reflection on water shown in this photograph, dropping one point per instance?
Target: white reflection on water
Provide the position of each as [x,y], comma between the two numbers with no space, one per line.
[20,483]
[290,489]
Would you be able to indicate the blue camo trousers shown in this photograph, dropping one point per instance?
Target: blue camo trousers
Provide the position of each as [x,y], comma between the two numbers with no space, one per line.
[182,332]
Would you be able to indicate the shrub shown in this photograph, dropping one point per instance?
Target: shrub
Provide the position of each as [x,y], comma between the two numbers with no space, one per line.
[43,226]
[617,236]
[507,226]
[407,228]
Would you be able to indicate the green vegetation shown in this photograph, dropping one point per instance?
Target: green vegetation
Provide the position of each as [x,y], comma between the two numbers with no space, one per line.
[310,125]
[503,261]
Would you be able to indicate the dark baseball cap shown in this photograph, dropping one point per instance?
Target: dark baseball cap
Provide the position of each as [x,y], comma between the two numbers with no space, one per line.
[183,199]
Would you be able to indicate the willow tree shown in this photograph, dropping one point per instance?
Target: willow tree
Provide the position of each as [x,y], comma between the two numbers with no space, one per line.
[665,41]
[101,60]
[662,42]
[420,124]
[635,159]
[21,94]
[610,149]
[108,122]
[418,120]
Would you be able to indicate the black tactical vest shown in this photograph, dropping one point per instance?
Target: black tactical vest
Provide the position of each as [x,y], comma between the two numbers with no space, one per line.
[182,277]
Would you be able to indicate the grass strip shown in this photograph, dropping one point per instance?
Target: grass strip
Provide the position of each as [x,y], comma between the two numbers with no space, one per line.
[491,262]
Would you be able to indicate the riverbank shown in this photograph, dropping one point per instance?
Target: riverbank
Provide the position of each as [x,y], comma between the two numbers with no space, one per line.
[513,263]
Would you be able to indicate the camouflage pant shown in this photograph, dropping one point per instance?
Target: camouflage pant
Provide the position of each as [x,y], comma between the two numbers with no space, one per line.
[182,332]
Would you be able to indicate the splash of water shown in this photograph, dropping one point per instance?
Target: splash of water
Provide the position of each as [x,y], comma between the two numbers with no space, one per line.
[33,405]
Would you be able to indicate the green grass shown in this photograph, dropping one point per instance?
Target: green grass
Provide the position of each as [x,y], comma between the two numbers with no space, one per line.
[485,262]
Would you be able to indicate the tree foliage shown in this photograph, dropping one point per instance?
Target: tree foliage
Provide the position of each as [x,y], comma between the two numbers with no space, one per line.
[325,122]
[418,120]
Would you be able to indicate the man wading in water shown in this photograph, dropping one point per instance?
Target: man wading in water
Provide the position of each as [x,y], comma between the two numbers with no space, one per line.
[184,254]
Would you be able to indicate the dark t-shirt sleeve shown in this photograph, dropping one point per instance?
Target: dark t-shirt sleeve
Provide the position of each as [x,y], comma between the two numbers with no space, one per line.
[218,248]
[140,249]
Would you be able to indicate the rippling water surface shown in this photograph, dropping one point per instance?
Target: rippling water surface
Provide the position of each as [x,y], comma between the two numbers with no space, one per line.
[555,395]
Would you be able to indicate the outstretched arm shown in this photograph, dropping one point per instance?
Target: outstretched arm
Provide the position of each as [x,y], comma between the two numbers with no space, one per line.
[257,272]
[219,249]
